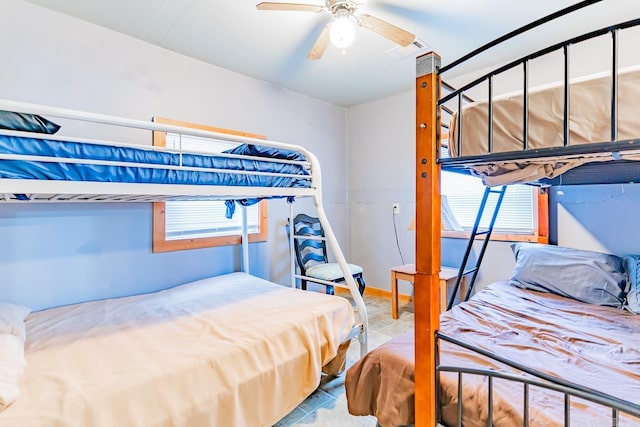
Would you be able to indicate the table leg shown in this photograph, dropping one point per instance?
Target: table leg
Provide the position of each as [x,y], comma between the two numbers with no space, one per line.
[463,288]
[443,295]
[394,295]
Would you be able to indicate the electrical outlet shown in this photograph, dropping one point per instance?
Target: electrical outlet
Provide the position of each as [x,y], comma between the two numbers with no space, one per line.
[396,208]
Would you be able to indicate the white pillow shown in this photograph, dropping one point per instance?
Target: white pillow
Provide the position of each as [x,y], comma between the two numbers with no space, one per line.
[12,361]
[12,365]
[12,319]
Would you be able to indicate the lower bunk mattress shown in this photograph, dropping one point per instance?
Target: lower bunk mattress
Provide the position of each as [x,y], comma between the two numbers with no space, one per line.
[232,350]
[593,346]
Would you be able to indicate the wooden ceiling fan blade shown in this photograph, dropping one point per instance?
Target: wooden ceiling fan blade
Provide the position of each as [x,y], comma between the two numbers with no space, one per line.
[387,30]
[297,7]
[318,48]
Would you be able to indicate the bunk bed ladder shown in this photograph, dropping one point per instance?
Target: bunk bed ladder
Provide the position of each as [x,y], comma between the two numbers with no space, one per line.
[462,272]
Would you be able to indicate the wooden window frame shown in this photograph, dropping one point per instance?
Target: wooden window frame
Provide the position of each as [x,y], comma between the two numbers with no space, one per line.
[160,242]
[541,229]
[540,232]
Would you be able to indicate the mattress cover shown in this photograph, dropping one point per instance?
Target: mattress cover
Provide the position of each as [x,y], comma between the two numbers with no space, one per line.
[594,346]
[382,383]
[590,121]
[233,350]
[149,166]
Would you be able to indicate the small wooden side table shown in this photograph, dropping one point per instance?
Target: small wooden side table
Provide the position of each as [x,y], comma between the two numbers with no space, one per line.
[407,272]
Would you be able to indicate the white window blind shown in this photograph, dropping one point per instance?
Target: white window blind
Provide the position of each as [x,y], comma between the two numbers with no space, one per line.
[464,194]
[198,219]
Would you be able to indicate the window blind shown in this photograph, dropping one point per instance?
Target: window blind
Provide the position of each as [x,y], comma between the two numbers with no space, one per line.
[464,194]
[198,219]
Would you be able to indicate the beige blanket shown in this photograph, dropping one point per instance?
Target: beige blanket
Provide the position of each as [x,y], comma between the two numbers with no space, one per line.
[232,350]
[594,346]
[590,119]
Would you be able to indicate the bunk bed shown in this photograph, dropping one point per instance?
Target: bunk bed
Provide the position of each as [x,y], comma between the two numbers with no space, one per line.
[228,350]
[516,353]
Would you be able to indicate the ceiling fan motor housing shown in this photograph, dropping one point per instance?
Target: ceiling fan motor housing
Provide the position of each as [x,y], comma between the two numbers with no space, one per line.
[335,5]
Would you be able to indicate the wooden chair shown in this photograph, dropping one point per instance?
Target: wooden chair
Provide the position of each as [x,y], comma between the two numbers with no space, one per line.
[311,255]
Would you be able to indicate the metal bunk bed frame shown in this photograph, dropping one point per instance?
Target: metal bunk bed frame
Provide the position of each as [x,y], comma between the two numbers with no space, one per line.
[59,191]
[429,104]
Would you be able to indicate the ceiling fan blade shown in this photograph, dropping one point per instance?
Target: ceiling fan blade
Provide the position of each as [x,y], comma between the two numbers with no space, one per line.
[318,48]
[387,30]
[298,7]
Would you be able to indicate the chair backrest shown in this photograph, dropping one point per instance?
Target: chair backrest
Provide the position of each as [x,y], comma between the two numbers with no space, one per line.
[308,252]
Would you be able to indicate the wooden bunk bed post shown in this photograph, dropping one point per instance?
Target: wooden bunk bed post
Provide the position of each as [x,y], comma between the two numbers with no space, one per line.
[428,225]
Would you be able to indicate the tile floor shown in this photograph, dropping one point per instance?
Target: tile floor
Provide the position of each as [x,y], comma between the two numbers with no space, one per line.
[327,406]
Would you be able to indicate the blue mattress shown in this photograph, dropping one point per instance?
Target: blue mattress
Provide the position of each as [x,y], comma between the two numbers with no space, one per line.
[20,169]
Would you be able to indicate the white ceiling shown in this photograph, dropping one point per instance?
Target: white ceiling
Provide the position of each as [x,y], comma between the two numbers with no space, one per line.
[272,45]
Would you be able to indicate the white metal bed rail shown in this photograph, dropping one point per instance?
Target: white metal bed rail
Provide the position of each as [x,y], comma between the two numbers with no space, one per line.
[361,328]
[82,191]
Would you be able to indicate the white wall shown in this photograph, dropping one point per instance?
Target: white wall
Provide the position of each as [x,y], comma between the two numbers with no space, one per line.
[598,217]
[381,172]
[54,255]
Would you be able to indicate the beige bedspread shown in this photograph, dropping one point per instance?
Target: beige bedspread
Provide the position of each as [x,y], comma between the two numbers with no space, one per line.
[590,114]
[233,350]
[597,347]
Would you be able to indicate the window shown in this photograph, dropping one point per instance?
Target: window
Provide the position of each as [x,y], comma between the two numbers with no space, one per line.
[523,215]
[179,225]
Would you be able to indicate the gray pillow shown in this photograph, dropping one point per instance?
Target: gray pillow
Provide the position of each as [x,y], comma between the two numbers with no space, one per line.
[26,122]
[631,264]
[586,276]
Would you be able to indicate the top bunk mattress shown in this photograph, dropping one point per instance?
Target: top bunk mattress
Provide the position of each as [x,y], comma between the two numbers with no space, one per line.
[590,122]
[246,165]
[232,350]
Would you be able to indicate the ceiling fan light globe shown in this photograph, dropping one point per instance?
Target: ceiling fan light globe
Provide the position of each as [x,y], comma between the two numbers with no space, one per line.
[342,32]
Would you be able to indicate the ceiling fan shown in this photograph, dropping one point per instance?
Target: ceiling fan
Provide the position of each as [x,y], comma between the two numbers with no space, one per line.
[341,30]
